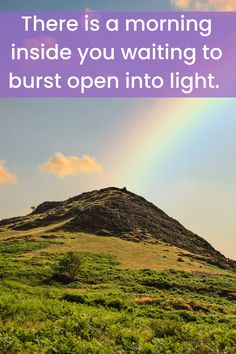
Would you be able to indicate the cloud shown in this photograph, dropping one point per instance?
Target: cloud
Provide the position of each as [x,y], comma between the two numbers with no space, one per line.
[61,166]
[6,177]
[183,4]
[206,5]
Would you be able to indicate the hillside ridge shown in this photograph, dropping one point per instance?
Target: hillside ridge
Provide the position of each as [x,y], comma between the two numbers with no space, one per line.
[118,212]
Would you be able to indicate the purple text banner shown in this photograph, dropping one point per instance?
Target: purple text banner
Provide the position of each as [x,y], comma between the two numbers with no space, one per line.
[91,54]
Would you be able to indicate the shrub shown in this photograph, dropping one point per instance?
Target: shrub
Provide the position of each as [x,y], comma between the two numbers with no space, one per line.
[77,208]
[77,298]
[165,328]
[70,266]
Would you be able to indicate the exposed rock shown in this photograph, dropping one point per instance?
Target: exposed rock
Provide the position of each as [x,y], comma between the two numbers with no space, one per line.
[46,206]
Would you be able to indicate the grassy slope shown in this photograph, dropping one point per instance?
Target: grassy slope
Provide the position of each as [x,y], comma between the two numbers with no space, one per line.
[130,255]
[117,305]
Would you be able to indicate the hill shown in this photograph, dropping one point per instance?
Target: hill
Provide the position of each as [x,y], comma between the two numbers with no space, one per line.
[143,283]
[120,213]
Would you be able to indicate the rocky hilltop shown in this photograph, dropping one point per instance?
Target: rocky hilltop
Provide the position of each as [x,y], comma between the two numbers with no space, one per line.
[118,212]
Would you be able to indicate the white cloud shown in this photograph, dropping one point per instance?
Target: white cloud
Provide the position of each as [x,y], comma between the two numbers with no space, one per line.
[61,166]
[206,5]
[6,177]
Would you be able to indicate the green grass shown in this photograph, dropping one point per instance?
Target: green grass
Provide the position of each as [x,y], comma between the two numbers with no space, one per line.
[115,306]
[130,255]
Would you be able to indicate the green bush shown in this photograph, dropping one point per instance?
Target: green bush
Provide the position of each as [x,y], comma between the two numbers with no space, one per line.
[70,266]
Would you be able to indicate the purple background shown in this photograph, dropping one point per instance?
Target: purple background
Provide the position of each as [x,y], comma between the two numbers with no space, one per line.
[223,36]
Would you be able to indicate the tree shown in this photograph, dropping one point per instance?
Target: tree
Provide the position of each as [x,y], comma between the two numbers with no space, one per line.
[70,266]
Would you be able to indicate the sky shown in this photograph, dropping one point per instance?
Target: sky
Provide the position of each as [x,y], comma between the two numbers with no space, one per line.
[177,153]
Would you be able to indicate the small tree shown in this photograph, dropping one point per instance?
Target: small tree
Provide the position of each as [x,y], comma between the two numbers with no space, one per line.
[70,266]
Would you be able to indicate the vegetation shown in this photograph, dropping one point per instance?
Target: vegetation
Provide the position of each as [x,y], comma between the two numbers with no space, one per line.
[106,307]
[69,266]
[121,213]
[77,208]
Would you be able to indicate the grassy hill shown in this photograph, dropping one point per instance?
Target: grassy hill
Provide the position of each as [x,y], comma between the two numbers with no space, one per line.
[120,213]
[128,297]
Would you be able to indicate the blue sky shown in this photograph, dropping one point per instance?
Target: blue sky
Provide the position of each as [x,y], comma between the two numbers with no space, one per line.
[77,5]
[195,184]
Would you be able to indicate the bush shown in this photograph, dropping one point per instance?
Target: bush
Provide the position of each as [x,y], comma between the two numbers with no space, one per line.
[70,266]
[165,328]
[77,298]
[77,208]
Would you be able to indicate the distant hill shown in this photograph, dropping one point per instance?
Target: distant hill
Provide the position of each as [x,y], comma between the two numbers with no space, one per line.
[120,213]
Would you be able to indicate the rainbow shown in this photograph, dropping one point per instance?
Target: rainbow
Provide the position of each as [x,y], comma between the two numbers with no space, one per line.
[150,137]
